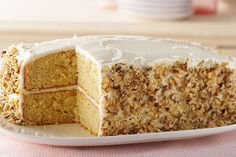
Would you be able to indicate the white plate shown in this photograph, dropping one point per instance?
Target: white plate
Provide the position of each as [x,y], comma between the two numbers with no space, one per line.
[157,16]
[74,135]
[157,1]
[157,4]
[155,10]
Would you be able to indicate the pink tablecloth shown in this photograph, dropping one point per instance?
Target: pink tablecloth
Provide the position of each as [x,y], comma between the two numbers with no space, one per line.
[215,146]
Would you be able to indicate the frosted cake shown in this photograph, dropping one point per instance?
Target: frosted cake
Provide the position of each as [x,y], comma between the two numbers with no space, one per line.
[117,85]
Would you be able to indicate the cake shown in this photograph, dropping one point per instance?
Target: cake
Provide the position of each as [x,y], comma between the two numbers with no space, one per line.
[118,85]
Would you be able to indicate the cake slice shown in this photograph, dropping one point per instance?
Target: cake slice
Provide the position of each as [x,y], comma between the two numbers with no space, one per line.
[117,85]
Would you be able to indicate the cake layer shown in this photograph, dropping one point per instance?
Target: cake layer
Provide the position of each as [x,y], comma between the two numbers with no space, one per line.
[54,70]
[89,77]
[56,107]
[63,68]
[87,113]
[49,108]
[169,96]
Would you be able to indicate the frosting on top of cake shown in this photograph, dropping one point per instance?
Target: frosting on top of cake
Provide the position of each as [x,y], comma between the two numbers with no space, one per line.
[107,49]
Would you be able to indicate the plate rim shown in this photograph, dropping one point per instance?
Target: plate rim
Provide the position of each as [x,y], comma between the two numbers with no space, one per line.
[120,139]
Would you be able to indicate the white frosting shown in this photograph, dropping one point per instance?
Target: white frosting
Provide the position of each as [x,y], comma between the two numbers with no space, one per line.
[106,50]
[73,87]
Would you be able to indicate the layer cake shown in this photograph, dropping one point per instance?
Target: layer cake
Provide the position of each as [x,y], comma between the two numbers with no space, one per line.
[116,85]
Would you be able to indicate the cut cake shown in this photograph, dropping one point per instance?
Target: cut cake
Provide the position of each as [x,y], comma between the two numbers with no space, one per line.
[116,85]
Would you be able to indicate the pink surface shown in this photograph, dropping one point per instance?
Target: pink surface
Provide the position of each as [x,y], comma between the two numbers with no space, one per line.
[215,146]
[205,7]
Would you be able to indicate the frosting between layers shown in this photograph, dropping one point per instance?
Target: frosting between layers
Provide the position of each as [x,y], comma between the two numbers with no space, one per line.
[73,87]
